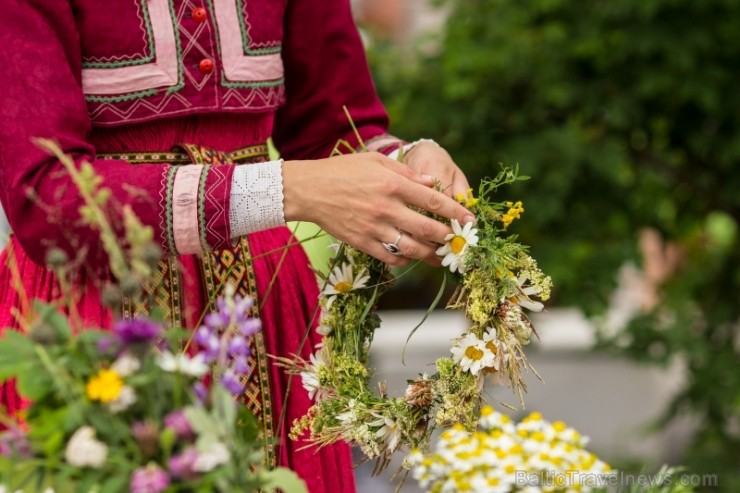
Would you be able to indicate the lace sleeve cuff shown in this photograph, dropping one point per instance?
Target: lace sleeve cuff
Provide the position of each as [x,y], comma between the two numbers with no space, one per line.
[256,201]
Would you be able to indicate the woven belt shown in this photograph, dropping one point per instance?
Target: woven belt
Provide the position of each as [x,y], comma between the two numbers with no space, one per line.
[191,153]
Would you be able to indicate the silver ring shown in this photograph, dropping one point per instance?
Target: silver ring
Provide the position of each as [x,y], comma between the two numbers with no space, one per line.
[393,248]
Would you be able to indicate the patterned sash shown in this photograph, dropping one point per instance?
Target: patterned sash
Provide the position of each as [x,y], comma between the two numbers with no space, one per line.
[218,268]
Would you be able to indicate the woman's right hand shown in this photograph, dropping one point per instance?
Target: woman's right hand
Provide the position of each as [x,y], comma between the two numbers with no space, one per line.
[363,199]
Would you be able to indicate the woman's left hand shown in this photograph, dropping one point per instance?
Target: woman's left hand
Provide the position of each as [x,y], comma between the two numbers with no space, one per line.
[427,158]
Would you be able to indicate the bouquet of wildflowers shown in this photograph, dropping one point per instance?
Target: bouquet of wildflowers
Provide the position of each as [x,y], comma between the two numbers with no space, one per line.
[130,409]
[127,410]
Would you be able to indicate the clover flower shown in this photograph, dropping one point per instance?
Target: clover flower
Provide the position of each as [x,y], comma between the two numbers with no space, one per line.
[149,479]
[137,330]
[181,466]
[456,246]
[83,450]
[178,422]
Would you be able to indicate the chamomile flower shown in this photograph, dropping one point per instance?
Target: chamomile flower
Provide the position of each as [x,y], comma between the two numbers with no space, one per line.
[456,246]
[389,431]
[342,280]
[472,354]
[310,377]
[182,363]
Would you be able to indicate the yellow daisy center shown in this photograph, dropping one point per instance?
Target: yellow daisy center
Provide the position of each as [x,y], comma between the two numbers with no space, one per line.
[492,347]
[343,287]
[457,244]
[473,353]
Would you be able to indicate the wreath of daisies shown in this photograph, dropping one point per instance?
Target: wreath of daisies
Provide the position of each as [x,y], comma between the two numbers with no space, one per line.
[498,281]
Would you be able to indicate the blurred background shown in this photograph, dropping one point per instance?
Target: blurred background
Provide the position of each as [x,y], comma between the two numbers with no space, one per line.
[626,114]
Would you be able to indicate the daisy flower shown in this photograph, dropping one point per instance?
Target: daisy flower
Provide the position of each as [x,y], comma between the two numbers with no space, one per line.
[310,377]
[456,246]
[342,280]
[182,363]
[389,431]
[472,354]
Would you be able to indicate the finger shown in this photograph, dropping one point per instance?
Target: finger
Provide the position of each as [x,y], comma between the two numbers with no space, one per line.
[422,228]
[407,171]
[412,248]
[436,203]
[460,184]
[377,250]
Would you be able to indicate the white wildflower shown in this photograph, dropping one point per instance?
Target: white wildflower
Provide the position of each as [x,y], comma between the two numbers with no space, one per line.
[389,431]
[83,450]
[472,354]
[126,398]
[182,363]
[126,365]
[456,246]
[342,280]
[215,455]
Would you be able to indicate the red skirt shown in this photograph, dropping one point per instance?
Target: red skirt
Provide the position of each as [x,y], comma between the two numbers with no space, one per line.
[287,294]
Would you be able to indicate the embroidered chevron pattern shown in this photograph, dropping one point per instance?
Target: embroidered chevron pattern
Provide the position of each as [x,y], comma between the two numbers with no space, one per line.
[261,97]
[216,208]
[124,114]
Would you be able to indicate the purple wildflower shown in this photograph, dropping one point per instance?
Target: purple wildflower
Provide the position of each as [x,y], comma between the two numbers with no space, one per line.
[14,443]
[238,346]
[181,465]
[231,382]
[149,479]
[201,392]
[240,365]
[109,345]
[250,326]
[178,422]
[137,330]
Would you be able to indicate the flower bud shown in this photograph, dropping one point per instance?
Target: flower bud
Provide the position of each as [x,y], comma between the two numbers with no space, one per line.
[56,258]
[131,286]
[111,296]
[151,254]
[42,333]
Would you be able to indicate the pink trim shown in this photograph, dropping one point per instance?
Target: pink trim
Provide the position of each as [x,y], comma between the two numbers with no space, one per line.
[239,67]
[185,209]
[163,72]
[377,144]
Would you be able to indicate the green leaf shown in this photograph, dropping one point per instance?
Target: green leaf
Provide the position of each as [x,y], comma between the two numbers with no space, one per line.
[16,354]
[35,384]
[115,484]
[283,479]
[224,409]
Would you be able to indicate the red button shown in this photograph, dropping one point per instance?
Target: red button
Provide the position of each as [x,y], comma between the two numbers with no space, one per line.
[206,66]
[199,14]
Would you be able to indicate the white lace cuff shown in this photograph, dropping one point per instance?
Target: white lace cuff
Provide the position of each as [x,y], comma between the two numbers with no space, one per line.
[407,148]
[256,201]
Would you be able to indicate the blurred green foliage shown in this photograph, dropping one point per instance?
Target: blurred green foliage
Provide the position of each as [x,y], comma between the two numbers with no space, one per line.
[626,113]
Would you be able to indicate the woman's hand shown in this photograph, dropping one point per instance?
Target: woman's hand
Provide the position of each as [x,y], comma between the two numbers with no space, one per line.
[362,199]
[427,158]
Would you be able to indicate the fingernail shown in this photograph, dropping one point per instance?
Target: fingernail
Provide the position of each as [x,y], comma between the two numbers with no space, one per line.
[428,177]
[469,218]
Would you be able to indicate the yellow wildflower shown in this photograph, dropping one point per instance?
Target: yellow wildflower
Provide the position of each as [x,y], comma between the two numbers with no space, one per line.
[514,212]
[467,198]
[106,386]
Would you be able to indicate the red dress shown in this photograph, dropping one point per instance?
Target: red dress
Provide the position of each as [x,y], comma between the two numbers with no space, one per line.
[145,75]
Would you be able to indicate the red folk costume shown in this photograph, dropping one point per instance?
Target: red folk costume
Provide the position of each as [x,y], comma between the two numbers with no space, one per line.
[147,77]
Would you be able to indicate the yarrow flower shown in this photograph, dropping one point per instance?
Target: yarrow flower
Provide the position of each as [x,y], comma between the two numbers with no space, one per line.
[456,246]
[342,280]
[473,354]
[83,450]
[106,386]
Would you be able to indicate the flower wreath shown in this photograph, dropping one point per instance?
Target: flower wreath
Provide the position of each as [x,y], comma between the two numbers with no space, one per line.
[497,281]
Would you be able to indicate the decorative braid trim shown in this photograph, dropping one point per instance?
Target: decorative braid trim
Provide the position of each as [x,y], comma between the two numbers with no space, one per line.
[202,208]
[185,209]
[168,210]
